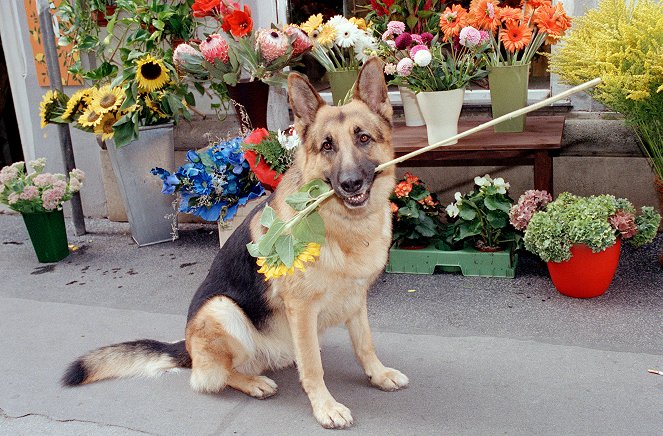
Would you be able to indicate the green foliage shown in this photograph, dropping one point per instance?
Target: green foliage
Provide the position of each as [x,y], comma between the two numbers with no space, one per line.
[270,149]
[419,15]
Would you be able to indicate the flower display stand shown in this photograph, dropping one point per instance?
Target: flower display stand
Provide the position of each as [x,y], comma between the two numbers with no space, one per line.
[468,261]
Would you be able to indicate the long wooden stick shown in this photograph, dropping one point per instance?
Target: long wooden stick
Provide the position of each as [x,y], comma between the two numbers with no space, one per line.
[493,122]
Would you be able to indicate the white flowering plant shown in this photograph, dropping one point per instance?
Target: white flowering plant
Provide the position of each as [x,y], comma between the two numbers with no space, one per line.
[481,217]
[340,43]
[37,191]
[424,63]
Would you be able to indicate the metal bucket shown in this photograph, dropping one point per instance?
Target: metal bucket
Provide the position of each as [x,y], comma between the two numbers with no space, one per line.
[151,214]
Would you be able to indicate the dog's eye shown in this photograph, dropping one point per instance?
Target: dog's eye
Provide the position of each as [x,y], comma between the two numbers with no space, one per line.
[364,138]
[327,146]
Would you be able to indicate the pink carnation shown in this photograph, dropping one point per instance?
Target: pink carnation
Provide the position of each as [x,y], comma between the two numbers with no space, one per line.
[271,43]
[51,198]
[528,204]
[215,47]
[624,223]
[404,67]
[396,27]
[469,36]
[29,193]
[43,180]
[302,42]
[416,48]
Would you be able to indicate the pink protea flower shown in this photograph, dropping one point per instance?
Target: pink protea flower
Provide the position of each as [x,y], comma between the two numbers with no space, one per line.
[469,37]
[44,179]
[29,193]
[624,223]
[528,204]
[271,43]
[396,27]
[404,67]
[403,41]
[426,38]
[51,198]
[215,48]
[184,49]
[302,42]
[416,48]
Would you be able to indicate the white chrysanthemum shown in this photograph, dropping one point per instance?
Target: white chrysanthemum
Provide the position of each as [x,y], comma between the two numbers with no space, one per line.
[422,58]
[365,47]
[347,34]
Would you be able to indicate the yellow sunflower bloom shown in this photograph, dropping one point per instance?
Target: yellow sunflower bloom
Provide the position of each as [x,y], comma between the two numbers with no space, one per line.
[313,22]
[89,118]
[47,102]
[77,103]
[105,126]
[151,74]
[107,99]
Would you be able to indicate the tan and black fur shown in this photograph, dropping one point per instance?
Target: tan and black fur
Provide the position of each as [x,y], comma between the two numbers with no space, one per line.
[239,325]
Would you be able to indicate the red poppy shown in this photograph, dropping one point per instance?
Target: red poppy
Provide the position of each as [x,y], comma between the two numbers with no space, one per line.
[238,23]
[205,8]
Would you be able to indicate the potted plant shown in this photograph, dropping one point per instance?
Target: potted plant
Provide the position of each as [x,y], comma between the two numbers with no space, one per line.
[580,237]
[438,73]
[341,46]
[38,197]
[213,184]
[239,61]
[270,154]
[415,219]
[618,41]
[515,36]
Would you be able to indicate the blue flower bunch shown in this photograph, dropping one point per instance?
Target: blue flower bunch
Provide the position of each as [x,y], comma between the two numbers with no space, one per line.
[214,182]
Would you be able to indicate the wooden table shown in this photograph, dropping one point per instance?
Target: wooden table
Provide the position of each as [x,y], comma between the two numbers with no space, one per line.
[535,146]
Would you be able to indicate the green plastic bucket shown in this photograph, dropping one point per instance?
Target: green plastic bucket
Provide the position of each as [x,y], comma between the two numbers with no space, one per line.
[48,235]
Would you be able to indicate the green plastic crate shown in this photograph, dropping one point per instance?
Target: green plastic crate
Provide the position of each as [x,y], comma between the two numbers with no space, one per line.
[468,261]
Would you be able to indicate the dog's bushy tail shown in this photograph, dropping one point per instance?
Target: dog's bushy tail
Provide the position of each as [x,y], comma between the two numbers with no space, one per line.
[146,358]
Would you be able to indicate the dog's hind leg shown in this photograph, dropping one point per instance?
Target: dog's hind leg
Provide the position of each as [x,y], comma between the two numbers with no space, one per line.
[219,339]
[387,379]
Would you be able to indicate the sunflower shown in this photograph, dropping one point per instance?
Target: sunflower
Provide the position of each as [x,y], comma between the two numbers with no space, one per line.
[51,106]
[77,103]
[151,74]
[313,23]
[89,118]
[107,99]
[154,107]
[307,254]
[515,37]
[105,126]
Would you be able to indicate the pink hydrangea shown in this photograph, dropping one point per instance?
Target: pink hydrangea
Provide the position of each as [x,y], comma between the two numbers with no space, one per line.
[29,193]
[271,43]
[624,223]
[51,198]
[396,27]
[416,48]
[215,48]
[7,174]
[528,204]
[469,37]
[302,42]
[184,49]
[404,67]
[44,179]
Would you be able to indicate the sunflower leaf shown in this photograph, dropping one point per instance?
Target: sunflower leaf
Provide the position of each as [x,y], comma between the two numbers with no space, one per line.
[285,248]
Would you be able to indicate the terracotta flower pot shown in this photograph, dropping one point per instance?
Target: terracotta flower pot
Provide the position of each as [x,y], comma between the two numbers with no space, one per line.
[586,274]
[265,174]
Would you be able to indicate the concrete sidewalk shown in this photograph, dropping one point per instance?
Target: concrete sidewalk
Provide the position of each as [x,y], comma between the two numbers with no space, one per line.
[484,356]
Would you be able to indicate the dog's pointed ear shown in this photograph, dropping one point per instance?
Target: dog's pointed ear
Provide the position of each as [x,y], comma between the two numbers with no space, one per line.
[304,99]
[371,88]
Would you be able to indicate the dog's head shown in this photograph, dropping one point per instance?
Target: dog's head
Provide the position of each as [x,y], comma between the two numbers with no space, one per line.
[343,144]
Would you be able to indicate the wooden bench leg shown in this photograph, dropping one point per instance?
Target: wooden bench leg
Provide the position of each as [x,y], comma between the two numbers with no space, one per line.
[543,171]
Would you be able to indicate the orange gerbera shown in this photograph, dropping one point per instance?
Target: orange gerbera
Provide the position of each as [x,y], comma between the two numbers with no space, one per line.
[508,14]
[452,20]
[238,23]
[402,189]
[536,3]
[484,14]
[552,20]
[515,36]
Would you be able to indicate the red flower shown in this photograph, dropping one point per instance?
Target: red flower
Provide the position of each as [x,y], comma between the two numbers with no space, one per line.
[206,8]
[381,7]
[402,189]
[238,23]
[257,136]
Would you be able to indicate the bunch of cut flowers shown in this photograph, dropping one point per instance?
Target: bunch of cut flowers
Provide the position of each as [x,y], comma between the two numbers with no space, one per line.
[270,154]
[339,43]
[425,63]
[420,16]
[415,212]
[37,191]
[214,182]
[239,49]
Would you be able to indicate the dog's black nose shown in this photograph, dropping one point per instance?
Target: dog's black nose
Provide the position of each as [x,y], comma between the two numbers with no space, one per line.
[352,184]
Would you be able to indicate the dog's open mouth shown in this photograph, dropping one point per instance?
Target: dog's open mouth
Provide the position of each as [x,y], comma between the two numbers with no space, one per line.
[358,200]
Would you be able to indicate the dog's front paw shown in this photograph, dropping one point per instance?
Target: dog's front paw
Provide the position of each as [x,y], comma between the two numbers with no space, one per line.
[390,380]
[332,414]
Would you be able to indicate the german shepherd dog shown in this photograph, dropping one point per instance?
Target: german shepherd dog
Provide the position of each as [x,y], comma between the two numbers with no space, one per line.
[240,325]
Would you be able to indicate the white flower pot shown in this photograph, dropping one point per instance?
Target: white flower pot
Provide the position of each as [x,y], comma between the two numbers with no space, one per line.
[441,110]
[413,116]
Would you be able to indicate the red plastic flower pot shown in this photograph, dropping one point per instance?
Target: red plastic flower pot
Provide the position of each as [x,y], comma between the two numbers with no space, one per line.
[586,274]
[265,174]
